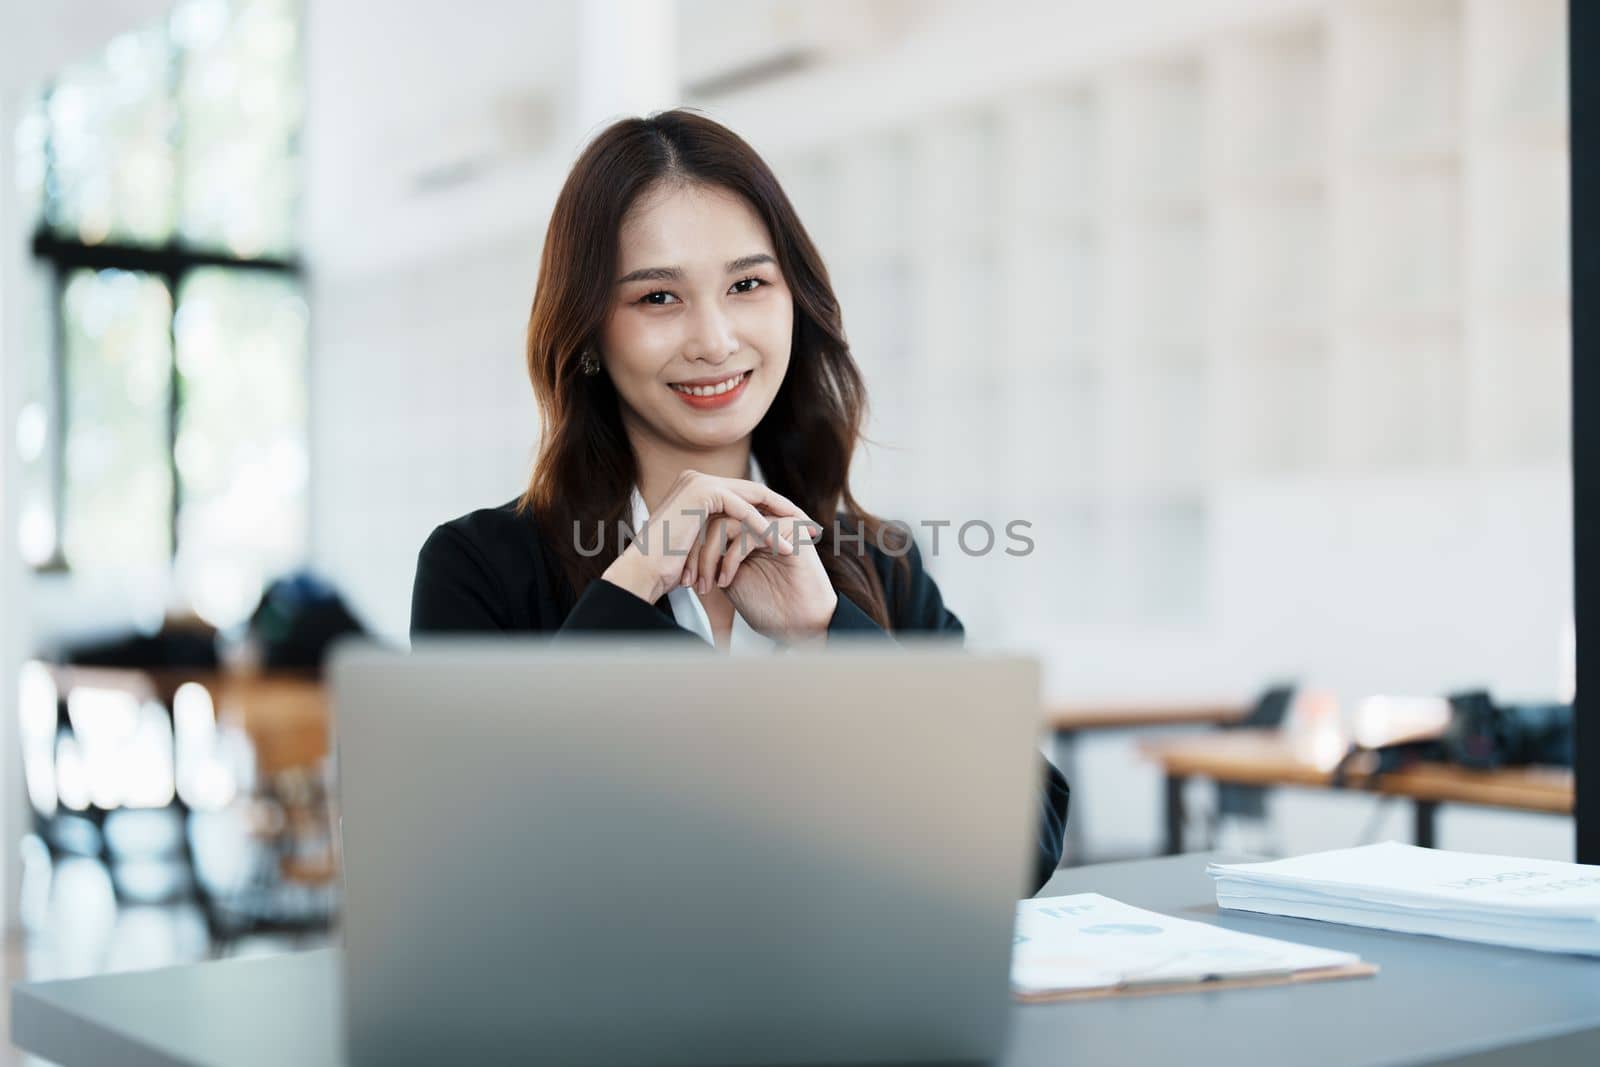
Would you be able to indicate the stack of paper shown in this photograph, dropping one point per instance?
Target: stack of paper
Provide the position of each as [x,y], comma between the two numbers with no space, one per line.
[1086,944]
[1537,904]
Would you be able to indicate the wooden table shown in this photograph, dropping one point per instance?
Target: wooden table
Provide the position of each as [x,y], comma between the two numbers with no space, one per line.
[285,716]
[1067,721]
[1268,758]
[284,713]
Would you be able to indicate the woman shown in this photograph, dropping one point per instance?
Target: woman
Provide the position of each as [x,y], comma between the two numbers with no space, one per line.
[691,369]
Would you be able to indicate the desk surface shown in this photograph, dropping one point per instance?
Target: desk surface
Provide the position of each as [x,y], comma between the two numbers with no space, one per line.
[1435,1001]
[1267,758]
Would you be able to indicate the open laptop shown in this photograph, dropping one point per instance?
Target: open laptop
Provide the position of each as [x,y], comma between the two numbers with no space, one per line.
[628,855]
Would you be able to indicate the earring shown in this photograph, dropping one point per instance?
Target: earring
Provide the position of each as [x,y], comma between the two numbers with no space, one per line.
[589,363]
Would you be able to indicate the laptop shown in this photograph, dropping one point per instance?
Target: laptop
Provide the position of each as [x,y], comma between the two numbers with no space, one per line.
[642,855]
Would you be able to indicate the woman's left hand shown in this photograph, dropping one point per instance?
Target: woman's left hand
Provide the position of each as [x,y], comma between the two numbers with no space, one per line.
[787,598]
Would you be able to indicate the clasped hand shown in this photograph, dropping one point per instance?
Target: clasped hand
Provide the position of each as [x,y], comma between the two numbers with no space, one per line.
[739,536]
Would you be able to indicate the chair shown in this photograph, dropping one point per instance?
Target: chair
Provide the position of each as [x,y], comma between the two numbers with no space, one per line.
[1249,802]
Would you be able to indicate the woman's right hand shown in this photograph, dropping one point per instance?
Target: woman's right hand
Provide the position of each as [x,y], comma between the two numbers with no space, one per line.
[654,561]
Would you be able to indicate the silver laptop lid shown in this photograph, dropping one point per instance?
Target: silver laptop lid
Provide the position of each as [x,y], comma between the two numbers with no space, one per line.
[661,856]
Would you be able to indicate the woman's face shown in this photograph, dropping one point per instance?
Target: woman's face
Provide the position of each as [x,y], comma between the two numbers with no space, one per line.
[697,339]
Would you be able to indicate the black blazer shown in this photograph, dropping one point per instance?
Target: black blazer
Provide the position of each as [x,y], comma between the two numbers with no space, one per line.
[490,570]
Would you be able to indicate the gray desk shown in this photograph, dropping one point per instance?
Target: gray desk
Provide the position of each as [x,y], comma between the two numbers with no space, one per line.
[1434,1002]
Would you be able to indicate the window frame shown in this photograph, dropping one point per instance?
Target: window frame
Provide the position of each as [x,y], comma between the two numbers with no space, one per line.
[172,261]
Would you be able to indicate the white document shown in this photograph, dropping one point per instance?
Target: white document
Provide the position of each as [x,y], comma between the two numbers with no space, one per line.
[1392,873]
[1526,935]
[1525,903]
[1088,941]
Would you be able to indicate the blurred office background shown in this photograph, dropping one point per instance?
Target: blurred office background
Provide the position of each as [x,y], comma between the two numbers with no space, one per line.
[1256,310]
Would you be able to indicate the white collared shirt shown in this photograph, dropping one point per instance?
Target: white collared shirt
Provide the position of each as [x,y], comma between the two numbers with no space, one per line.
[687,610]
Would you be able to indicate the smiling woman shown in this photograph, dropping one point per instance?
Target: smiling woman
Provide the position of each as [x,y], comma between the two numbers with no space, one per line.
[701,409]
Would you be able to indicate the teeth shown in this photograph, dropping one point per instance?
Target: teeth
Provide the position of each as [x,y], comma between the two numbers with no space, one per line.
[712,390]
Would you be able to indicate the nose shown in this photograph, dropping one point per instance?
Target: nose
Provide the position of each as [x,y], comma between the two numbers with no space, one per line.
[711,336]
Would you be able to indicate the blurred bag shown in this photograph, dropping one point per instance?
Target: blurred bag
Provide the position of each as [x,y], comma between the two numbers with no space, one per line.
[1485,735]
[1482,735]
[298,618]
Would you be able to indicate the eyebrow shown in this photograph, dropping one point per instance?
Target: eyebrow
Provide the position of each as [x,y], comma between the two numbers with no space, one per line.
[673,274]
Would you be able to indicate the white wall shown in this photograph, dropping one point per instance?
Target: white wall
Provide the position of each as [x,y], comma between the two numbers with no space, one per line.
[421,411]
[1401,584]
[13,604]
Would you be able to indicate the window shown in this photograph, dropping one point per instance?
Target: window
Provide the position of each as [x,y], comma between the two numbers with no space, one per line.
[166,419]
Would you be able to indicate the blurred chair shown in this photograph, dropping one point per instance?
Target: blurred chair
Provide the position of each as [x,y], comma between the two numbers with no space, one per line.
[288,882]
[234,810]
[1248,803]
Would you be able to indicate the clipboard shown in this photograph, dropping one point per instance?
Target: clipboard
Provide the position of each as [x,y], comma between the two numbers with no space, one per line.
[1204,985]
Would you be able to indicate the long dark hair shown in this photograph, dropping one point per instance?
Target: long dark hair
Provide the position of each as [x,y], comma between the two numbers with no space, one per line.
[585,471]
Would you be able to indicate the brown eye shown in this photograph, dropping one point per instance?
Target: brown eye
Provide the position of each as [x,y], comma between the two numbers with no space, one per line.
[651,298]
[752,282]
